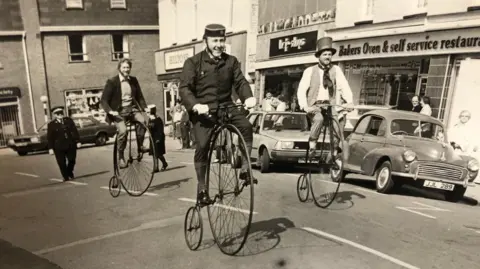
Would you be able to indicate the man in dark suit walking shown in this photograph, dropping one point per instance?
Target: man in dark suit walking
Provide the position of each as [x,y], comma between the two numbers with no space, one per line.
[122,99]
[62,136]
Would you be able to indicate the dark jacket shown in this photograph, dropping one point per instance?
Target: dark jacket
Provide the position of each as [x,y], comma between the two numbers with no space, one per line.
[158,134]
[112,95]
[203,81]
[62,136]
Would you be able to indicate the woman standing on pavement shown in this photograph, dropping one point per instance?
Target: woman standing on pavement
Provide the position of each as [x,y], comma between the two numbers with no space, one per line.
[157,129]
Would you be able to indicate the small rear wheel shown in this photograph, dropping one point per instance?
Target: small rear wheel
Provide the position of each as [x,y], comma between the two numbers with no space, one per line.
[303,187]
[193,228]
[114,187]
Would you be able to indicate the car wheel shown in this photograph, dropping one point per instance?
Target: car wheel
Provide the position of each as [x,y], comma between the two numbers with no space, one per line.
[383,178]
[22,153]
[264,161]
[456,195]
[101,139]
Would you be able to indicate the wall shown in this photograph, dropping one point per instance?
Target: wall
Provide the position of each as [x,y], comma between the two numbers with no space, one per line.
[98,12]
[63,75]
[13,74]
[184,21]
[10,17]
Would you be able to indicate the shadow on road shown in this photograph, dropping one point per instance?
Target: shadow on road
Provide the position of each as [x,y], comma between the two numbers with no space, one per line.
[166,185]
[174,168]
[344,200]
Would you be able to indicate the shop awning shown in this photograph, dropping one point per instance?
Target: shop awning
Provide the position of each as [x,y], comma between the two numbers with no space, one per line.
[294,60]
[10,92]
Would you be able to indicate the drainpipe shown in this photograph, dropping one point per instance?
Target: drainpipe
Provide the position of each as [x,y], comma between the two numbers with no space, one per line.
[29,81]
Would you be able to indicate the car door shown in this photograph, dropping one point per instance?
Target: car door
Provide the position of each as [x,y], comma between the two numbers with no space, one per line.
[356,153]
[374,137]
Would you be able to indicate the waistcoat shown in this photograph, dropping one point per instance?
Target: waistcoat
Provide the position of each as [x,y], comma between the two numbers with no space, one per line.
[312,92]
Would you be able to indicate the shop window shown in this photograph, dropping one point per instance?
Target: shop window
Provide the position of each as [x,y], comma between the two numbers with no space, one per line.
[422,3]
[281,87]
[77,48]
[74,4]
[85,103]
[368,8]
[170,98]
[119,46]
[118,4]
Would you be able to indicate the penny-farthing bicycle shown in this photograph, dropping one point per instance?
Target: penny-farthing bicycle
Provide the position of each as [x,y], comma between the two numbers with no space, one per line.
[230,197]
[327,157]
[140,159]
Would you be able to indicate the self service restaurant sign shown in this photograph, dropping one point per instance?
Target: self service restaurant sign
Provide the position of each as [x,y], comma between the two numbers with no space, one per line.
[424,44]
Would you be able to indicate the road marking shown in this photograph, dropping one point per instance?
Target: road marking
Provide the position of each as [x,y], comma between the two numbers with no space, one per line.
[69,182]
[190,163]
[144,226]
[361,247]
[220,205]
[39,190]
[25,174]
[424,207]
[146,193]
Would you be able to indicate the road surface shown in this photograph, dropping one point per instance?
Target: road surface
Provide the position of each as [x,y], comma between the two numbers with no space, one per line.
[78,225]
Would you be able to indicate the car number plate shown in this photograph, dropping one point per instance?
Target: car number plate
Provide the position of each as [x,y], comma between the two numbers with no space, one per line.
[21,144]
[438,185]
[302,160]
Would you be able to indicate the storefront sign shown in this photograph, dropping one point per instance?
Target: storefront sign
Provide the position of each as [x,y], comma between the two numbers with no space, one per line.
[297,21]
[449,42]
[175,59]
[293,44]
[9,92]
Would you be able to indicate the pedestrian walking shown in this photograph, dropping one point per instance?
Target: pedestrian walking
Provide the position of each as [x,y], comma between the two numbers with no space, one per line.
[62,136]
[157,129]
[122,99]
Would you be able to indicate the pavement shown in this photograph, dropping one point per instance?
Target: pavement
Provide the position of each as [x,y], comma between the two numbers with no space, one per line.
[47,224]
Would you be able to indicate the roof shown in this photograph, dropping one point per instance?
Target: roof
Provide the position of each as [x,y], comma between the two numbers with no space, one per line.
[400,114]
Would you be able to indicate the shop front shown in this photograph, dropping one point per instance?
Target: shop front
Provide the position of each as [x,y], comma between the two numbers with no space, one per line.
[283,53]
[169,64]
[84,103]
[390,70]
[10,111]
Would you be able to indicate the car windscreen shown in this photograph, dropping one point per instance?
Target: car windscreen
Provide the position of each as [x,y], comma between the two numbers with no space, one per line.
[415,128]
[284,121]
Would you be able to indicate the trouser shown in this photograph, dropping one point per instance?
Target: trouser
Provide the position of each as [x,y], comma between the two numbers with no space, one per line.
[202,130]
[66,160]
[122,131]
[316,120]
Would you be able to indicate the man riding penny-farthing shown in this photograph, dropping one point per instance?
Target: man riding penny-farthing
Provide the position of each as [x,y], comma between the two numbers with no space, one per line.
[225,182]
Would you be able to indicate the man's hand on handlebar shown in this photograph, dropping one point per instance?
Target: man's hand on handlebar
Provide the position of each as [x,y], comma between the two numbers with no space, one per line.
[113,113]
[200,109]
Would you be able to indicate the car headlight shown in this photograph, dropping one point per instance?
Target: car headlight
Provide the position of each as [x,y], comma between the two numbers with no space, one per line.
[11,142]
[284,145]
[35,139]
[409,156]
[473,165]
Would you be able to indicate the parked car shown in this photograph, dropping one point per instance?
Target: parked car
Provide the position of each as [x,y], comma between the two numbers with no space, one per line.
[399,147]
[352,117]
[91,131]
[279,144]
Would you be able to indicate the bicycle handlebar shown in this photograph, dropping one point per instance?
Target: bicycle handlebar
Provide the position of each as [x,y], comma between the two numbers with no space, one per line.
[214,110]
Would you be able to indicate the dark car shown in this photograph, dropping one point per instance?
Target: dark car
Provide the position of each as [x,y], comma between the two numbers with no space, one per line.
[399,147]
[91,131]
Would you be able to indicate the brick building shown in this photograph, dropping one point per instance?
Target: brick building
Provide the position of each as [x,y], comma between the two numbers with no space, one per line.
[15,92]
[72,47]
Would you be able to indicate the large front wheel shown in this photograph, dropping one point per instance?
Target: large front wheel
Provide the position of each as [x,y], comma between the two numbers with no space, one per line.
[231,187]
[138,174]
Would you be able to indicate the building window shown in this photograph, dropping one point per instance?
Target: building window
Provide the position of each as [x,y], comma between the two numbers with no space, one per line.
[119,46]
[422,3]
[118,4]
[74,4]
[85,103]
[77,48]
[369,5]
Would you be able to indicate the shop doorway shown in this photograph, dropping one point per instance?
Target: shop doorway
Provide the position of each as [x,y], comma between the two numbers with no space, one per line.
[9,121]
[283,84]
[170,98]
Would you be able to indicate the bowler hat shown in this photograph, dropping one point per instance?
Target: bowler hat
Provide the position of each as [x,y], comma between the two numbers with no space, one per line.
[323,44]
[214,30]
[57,108]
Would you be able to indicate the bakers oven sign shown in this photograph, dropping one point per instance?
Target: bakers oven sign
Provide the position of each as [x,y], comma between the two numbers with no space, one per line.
[293,44]
[175,59]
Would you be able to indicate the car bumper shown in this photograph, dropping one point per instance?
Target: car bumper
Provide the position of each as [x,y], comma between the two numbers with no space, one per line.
[29,147]
[292,156]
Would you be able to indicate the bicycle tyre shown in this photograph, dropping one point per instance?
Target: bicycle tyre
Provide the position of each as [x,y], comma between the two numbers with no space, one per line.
[149,175]
[188,228]
[332,157]
[248,187]
[302,184]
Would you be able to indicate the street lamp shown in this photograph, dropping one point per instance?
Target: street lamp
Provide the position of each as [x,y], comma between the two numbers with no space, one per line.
[44,100]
